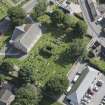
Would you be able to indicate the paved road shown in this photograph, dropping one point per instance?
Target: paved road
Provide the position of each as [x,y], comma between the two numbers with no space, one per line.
[29,6]
[94,30]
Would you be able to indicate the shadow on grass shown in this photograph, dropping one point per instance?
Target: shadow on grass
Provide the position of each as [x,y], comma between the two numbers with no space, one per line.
[66,34]
[65,58]
[49,101]
[56,31]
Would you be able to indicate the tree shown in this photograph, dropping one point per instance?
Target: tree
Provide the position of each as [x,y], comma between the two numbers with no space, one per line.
[26,75]
[81,28]
[6,66]
[2,79]
[17,15]
[56,85]
[76,49]
[71,53]
[69,21]
[39,9]
[28,95]
[57,16]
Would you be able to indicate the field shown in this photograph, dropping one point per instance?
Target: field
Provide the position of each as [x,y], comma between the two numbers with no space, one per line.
[3,8]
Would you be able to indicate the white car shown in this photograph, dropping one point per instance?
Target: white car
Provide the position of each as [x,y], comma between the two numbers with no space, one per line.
[86,99]
[101,104]
[103,101]
[75,78]
[99,19]
[88,96]
[95,88]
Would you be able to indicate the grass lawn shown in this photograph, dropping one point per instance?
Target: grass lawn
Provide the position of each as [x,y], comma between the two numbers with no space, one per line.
[3,8]
[99,63]
[3,40]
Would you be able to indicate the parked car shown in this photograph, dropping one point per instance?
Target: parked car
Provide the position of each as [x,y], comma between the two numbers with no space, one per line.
[75,78]
[90,92]
[103,101]
[99,83]
[83,102]
[95,88]
[86,99]
[88,96]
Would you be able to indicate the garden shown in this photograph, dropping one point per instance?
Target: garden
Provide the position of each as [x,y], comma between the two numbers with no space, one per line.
[45,66]
[64,40]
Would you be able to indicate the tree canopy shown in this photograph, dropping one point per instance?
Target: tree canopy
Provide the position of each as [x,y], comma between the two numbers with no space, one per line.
[28,95]
[26,75]
[17,15]
[81,28]
[56,85]
[57,16]
[39,9]
[6,66]
[69,21]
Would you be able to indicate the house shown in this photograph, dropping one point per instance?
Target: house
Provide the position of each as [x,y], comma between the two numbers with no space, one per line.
[87,80]
[6,97]
[24,37]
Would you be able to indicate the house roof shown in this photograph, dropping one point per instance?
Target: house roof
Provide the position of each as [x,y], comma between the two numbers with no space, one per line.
[81,86]
[26,34]
[4,25]
[5,95]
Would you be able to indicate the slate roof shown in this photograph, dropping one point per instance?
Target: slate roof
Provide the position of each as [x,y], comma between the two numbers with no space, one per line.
[5,96]
[81,86]
[26,35]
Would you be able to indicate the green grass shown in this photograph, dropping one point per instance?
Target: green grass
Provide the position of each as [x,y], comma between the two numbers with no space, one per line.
[3,8]
[3,40]
[99,63]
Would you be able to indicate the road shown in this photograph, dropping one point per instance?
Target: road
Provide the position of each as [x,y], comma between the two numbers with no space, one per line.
[29,6]
[93,29]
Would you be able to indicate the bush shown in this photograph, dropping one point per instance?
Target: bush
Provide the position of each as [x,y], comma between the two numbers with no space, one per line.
[46,51]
